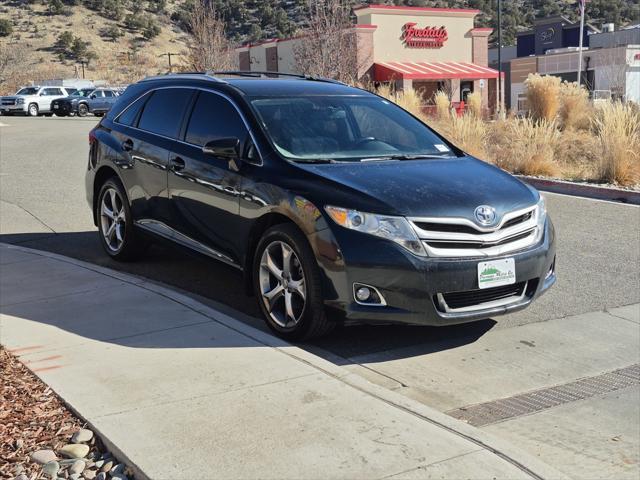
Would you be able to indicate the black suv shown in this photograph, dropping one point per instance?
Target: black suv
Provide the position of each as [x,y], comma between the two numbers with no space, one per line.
[76,103]
[338,205]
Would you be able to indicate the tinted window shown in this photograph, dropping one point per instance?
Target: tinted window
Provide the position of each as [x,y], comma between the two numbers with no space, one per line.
[108,93]
[52,91]
[214,117]
[128,117]
[163,112]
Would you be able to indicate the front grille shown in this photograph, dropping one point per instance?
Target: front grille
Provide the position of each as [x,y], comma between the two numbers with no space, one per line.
[8,102]
[459,237]
[458,228]
[471,298]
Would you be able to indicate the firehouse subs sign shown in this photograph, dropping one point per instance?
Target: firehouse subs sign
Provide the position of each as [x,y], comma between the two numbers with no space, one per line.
[427,37]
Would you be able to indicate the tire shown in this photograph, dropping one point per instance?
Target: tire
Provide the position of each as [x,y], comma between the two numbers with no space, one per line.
[83,109]
[33,110]
[124,243]
[98,114]
[309,319]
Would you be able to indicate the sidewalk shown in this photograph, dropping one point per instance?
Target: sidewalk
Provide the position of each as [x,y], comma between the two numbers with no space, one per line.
[181,391]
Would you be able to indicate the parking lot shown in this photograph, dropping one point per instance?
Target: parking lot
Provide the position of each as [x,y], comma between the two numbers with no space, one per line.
[586,327]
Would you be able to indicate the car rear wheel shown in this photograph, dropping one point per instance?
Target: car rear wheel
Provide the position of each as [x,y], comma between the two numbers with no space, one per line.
[287,283]
[33,110]
[117,234]
[83,110]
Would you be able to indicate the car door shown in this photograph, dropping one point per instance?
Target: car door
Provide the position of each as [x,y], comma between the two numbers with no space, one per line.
[108,101]
[203,189]
[146,132]
[95,100]
[47,95]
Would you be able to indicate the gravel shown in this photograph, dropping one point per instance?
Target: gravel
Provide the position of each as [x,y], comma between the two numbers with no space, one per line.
[36,430]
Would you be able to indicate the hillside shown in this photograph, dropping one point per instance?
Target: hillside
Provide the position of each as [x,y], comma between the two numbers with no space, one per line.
[120,40]
[124,39]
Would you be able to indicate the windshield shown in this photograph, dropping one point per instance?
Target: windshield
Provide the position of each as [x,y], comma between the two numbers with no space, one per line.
[83,92]
[28,91]
[345,128]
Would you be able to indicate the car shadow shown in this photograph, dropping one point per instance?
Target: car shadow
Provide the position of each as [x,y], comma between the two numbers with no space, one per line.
[220,287]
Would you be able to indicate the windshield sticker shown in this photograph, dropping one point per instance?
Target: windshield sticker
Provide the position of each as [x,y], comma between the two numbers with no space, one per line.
[441,148]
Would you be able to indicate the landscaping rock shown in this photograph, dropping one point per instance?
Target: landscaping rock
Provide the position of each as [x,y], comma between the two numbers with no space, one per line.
[22,476]
[89,474]
[74,450]
[101,476]
[117,469]
[99,463]
[107,466]
[77,467]
[51,469]
[82,436]
[74,476]
[119,476]
[43,456]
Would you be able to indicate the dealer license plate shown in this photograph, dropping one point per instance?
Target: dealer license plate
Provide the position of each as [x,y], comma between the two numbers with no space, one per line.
[496,273]
[55,107]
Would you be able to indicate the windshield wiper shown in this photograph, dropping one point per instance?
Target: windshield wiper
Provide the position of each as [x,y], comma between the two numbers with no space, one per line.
[316,160]
[403,157]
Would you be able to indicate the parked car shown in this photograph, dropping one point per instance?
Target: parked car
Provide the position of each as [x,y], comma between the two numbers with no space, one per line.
[75,103]
[32,101]
[337,205]
[101,100]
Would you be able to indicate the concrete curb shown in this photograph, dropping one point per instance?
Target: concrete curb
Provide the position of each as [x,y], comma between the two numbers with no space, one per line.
[583,190]
[503,449]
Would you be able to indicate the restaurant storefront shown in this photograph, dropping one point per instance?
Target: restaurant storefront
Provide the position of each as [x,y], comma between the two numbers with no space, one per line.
[425,49]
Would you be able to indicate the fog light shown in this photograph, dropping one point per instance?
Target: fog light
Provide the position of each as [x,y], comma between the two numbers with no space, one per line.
[363,294]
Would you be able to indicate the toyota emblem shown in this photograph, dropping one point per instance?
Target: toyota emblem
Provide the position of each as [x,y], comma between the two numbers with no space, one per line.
[485,215]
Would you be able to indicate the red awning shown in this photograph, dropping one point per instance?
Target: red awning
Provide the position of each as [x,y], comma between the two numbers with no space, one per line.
[386,71]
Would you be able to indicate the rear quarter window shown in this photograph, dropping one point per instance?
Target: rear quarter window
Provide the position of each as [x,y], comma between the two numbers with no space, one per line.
[164,111]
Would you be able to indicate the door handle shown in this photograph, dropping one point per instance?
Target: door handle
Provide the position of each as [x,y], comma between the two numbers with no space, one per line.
[127,145]
[176,164]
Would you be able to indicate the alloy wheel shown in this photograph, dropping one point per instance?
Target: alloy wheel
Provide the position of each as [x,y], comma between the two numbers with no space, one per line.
[33,110]
[112,219]
[282,284]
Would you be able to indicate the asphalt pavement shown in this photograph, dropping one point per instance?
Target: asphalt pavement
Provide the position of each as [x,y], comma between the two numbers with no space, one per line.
[42,206]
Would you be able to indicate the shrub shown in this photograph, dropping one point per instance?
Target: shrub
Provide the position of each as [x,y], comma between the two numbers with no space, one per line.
[468,132]
[525,146]
[6,27]
[112,32]
[134,22]
[443,105]
[577,154]
[575,108]
[543,96]
[617,126]
[151,29]
[64,41]
[55,7]
[474,103]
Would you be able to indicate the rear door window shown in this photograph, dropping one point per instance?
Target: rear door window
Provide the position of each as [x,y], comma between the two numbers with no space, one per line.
[164,111]
[214,117]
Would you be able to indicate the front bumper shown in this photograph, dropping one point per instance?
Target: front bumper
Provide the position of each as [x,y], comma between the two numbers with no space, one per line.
[64,108]
[21,108]
[410,285]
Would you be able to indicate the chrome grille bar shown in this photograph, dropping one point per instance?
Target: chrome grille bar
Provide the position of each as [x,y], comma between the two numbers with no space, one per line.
[517,230]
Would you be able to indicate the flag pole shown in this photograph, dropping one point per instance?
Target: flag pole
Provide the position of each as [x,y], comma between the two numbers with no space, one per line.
[582,8]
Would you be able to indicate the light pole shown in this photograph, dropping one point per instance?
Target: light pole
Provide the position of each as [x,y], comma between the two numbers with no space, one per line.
[168,55]
[582,6]
[499,83]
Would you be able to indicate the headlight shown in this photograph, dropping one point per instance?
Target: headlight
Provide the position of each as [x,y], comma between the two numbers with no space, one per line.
[396,229]
[541,218]
[19,101]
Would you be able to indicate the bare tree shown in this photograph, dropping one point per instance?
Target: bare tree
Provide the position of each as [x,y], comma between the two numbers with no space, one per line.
[328,46]
[208,47]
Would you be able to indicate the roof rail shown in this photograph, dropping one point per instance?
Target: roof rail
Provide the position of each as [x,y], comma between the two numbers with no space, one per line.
[193,75]
[266,73]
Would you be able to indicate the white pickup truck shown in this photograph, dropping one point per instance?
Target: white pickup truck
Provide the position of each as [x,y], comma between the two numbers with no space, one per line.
[32,101]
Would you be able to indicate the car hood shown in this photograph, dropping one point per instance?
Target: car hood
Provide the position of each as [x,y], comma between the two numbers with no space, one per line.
[424,188]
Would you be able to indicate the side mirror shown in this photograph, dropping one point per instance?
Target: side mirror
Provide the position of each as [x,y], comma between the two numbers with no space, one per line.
[92,96]
[228,148]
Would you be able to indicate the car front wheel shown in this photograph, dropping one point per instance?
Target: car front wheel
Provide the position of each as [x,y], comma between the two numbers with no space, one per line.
[115,224]
[33,110]
[287,283]
[82,110]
